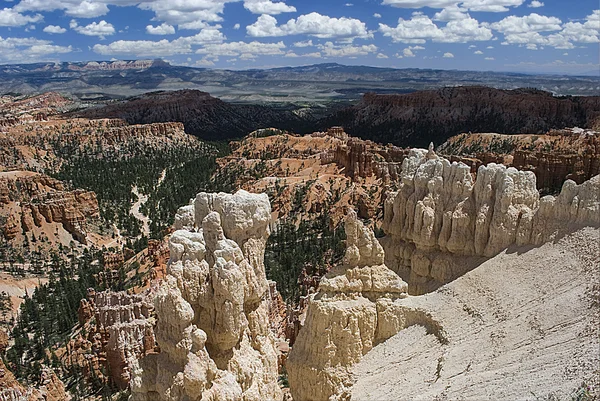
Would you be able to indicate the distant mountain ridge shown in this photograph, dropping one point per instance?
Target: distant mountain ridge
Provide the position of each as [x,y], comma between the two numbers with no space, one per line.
[311,84]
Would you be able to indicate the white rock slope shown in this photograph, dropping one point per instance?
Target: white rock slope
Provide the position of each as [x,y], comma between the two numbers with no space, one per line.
[351,314]
[212,318]
[442,223]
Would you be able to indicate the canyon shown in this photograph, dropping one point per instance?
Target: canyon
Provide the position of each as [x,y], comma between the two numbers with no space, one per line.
[442,249]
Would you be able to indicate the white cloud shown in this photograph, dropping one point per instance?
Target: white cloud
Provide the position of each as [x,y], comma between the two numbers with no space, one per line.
[489,58]
[164,47]
[187,14]
[54,29]
[528,23]
[421,28]
[490,47]
[244,50]
[305,55]
[588,32]
[451,13]
[313,24]
[381,55]
[10,17]
[478,52]
[330,50]
[100,29]
[377,15]
[14,50]
[267,7]
[304,43]
[535,4]
[408,53]
[448,55]
[472,5]
[348,5]
[162,29]
[236,26]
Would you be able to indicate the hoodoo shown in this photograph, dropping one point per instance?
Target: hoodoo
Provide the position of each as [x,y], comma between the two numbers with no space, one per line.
[212,314]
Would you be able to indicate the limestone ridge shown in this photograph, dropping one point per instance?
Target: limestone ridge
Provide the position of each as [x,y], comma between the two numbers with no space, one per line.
[442,222]
[212,313]
[352,312]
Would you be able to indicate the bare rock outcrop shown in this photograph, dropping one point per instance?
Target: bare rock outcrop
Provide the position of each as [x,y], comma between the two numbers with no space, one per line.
[352,312]
[29,200]
[212,313]
[442,222]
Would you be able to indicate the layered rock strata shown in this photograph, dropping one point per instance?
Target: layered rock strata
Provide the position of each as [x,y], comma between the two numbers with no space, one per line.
[212,311]
[442,222]
[352,312]
[29,200]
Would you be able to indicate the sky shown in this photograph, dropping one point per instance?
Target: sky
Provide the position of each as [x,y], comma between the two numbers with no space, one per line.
[541,36]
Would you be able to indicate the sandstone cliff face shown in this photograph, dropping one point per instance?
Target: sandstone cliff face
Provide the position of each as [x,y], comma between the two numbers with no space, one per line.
[29,200]
[121,333]
[442,222]
[351,313]
[559,155]
[212,314]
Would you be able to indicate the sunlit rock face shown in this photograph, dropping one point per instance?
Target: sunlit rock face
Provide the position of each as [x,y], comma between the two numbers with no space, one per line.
[212,314]
[442,222]
[352,312]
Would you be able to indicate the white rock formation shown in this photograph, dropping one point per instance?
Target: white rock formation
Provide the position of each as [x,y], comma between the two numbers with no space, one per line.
[441,222]
[349,315]
[212,316]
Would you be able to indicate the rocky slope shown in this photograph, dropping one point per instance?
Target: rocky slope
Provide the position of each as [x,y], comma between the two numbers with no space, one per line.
[418,118]
[202,115]
[212,327]
[441,222]
[38,204]
[523,325]
[554,157]
[350,314]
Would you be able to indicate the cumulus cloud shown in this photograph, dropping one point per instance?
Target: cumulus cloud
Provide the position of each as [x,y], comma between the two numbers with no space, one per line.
[162,29]
[408,52]
[304,55]
[381,55]
[527,23]
[421,28]
[244,50]
[377,15]
[187,14]
[448,55]
[478,52]
[164,47]
[489,59]
[313,24]
[54,29]
[472,5]
[526,31]
[330,50]
[304,43]
[535,4]
[237,26]
[100,29]
[267,7]
[10,17]
[28,49]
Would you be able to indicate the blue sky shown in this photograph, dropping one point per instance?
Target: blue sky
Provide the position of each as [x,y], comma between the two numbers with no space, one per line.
[555,36]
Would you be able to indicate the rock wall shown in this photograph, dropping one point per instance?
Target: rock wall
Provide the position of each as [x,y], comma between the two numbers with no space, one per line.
[212,312]
[29,200]
[361,158]
[351,313]
[442,222]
